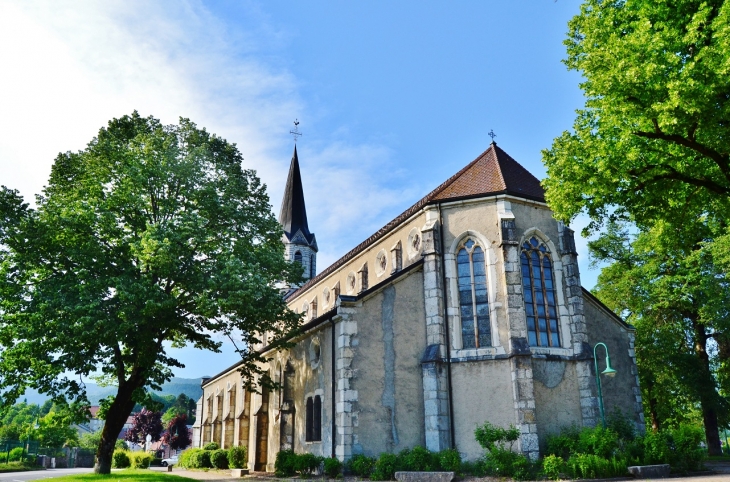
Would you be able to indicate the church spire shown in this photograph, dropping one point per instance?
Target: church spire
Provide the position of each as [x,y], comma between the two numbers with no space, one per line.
[293,215]
[301,245]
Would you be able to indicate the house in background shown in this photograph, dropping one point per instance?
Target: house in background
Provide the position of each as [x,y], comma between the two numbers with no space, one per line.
[466,308]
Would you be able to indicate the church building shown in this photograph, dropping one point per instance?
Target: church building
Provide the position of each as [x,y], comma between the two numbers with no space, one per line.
[466,308]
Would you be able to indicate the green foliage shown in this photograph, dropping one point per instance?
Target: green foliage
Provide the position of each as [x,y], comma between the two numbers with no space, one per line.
[361,465]
[211,446]
[284,464]
[598,441]
[140,460]
[332,468]
[307,464]
[490,436]
[237,457]
[680,448]
[195,459]
[16,454]
[476,469]
[418,459]
[650,142]
[153,236]
[385,467]
[553,466]
[120,459]
[450,460]
[589,466]
[621,424]
[500,460]
[219,459]
[90,440]
[564,443]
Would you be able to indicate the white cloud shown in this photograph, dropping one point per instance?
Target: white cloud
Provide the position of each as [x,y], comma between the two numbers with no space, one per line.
[68,69]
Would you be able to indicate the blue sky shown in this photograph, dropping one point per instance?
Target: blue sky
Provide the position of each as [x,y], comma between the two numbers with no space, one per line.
[393,97]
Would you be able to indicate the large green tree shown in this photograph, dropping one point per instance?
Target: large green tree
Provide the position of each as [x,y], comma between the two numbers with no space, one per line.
[663,282]
[151,237]
[653,138]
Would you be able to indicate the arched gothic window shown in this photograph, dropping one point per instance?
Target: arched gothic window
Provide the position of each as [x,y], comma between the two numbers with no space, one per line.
[312,271]
[298,257]
[473,301]
[539,290]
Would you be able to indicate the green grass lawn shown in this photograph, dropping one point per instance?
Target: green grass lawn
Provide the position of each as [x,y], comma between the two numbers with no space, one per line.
[127,475]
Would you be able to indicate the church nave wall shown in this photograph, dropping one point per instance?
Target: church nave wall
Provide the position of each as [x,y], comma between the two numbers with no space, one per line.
[391,341]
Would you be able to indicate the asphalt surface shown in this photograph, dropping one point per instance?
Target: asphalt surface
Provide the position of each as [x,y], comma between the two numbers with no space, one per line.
[41,474]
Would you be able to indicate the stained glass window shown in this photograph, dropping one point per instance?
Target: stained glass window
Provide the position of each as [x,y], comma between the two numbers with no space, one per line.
[539,290]
[473,296]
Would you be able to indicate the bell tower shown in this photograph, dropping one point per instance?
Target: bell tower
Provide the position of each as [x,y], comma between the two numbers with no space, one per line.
[301,245]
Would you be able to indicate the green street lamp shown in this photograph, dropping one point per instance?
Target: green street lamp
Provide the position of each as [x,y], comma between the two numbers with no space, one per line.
[609,372]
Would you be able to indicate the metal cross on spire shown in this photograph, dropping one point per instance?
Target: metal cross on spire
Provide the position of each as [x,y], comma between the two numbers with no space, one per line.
[492,134]
[295,132]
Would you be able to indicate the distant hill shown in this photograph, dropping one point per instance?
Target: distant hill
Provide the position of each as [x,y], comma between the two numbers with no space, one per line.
[176,386]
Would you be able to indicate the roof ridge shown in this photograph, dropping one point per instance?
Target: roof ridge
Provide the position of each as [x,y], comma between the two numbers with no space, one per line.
[427,199]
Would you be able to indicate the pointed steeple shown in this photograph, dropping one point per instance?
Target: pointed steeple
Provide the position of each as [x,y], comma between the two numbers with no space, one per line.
[293,215]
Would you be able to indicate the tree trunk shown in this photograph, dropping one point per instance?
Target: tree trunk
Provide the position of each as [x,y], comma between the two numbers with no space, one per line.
[115,420]
[707,391]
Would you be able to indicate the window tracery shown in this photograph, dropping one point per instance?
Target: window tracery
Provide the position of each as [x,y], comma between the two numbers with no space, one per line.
[473,296]
[539,292]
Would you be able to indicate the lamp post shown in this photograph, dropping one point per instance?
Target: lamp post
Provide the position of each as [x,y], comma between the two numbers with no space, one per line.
[609,372]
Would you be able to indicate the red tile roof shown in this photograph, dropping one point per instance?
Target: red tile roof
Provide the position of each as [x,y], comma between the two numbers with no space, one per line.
[494,172]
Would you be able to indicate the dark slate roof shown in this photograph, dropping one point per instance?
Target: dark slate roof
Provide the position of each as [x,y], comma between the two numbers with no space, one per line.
[494,172]
[293,214]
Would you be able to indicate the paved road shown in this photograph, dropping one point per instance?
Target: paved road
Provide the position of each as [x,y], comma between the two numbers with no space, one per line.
[41,474]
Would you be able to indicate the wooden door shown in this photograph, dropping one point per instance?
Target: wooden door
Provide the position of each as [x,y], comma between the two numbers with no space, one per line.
[262,433]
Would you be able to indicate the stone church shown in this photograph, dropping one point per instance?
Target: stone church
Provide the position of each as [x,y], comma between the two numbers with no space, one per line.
[466,308]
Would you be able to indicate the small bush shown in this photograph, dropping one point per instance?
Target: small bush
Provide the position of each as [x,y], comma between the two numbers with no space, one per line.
[450,460]
[490,436]
[238,457]
[139,460]
[195,459]
[598,441]
[156,462]
[552,467]
[120,459]
[361,465]
[418,459]
[621,424]
[385,467]
[688,454]
[16,454]
[211,446]
[284,464]
[306,464]
[219,458]
[332,467]
[564,443]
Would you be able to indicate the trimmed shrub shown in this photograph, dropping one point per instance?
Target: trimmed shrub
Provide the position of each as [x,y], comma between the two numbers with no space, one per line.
[219,458]
[238,457]
[211,446]
[140,460]
[120,459]
[418,459]
[16,454]
[450,460]
[332,467]
[306,464]
[195,459]
[284,464]
[361,465]
[385,467]
[500,460]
